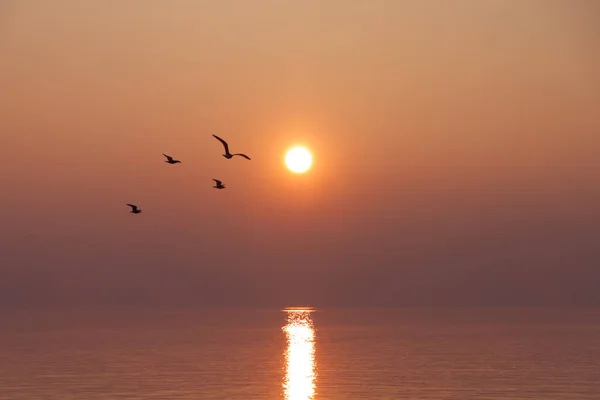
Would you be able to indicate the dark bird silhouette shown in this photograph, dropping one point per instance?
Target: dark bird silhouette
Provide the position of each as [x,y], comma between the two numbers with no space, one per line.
[134,209]
[219,184]
[170,160]
[227,153]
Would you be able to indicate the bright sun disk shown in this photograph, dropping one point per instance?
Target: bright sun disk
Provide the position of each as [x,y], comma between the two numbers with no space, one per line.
[298,159]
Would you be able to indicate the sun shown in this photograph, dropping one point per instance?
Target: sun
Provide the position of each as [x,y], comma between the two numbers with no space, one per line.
[298,159]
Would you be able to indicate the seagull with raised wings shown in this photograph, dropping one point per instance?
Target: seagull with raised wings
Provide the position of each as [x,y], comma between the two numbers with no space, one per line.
[219,184]
[170,160]
[134,209]
[227,153]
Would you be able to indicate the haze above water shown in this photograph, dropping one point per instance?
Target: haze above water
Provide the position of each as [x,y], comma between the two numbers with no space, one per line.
[455,152]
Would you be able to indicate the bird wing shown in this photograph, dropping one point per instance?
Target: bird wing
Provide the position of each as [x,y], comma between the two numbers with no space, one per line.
[133,206]
[224,143]
[168,157]
[218,182]
[243,155]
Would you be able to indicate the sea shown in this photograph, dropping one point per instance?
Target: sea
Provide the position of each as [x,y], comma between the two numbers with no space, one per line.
[300,354]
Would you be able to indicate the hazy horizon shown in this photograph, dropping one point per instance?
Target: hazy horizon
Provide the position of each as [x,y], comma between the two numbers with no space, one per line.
[456,148]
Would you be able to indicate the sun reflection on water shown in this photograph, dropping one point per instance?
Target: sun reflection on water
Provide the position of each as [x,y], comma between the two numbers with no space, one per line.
[300,375]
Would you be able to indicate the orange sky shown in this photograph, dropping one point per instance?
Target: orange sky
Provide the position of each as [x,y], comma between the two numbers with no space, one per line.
[453,142]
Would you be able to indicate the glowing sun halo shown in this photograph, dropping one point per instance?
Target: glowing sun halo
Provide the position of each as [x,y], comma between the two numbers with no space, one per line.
[298,160]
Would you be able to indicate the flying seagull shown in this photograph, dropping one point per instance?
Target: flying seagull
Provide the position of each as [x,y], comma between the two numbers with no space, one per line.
[134,209]
[227,153]
[170,160]
[219,184]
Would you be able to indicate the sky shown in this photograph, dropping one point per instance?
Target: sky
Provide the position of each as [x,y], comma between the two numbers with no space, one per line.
[456,153]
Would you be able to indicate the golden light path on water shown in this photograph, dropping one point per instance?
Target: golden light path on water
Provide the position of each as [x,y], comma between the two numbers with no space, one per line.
[300,366]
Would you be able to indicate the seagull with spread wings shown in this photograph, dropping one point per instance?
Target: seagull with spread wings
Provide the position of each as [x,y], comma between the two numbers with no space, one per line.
[134,209]
[227,153]
[170,160]
[219,184]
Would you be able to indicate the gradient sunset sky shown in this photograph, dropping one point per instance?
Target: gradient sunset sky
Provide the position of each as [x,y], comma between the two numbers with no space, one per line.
[456,152]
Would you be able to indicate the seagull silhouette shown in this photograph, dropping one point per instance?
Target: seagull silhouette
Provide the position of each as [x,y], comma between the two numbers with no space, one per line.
[134,209]
[227,153]
[219,184]
[170,160]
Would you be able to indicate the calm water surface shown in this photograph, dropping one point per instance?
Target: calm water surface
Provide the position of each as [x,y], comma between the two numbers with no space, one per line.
[451,354]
